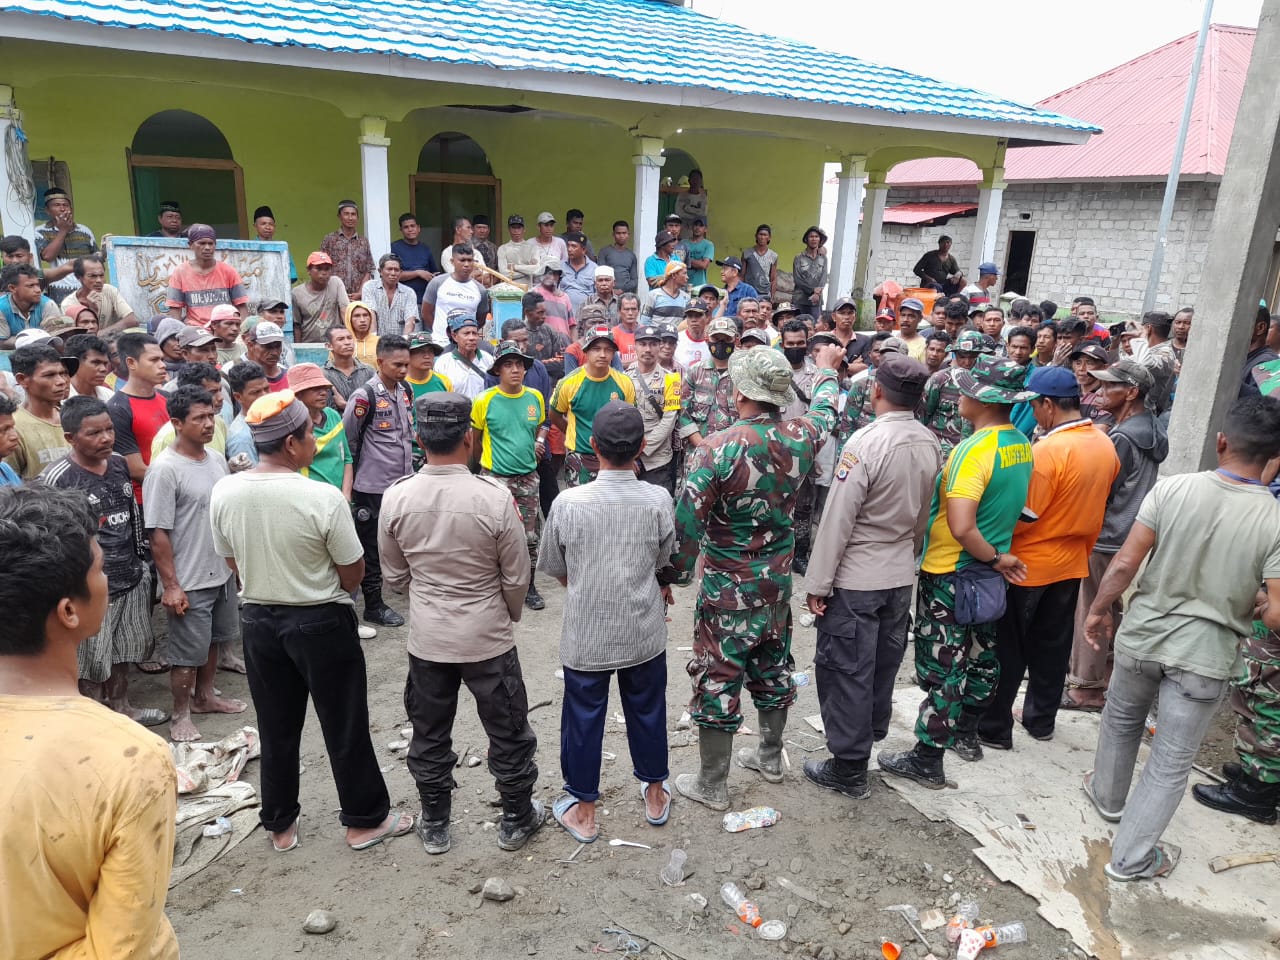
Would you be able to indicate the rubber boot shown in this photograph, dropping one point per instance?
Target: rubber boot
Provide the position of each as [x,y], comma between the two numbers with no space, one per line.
[766,758]
[433,826]
[1245,796]
[710,785]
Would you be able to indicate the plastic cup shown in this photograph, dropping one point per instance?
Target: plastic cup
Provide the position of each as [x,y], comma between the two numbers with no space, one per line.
[890,950]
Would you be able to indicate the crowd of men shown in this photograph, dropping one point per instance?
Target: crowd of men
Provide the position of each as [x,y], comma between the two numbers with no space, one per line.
[993,470]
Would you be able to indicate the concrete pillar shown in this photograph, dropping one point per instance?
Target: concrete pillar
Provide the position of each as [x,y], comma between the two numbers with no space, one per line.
[1235,270]
[864,276]
[844,249]
[986,228]
[17,189]
[648,159]
[376,190]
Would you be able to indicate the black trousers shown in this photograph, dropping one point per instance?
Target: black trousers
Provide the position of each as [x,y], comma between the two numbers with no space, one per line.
[549,470]
[663,476]
[365,508]
[1033,639]
[292,653]
[861,641]
[431,701]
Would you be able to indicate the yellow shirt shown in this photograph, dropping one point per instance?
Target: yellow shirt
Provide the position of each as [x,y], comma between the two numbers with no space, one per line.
[89,800]
[166,437]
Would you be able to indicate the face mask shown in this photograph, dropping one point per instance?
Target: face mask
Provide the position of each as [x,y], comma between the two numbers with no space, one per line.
[721,350]
[795,355]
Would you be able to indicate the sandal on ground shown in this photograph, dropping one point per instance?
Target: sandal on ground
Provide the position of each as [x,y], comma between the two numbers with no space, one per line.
[297,838]
[1167,857]
[154,666]
[151,717]
[563,806]
[1110,816]
[402,824]
[1068,703]
[666,807]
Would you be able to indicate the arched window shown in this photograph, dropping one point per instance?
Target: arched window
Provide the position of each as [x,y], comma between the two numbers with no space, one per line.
[181,156]
[454,179]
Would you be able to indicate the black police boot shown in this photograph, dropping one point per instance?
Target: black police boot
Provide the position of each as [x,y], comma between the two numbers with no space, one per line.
[375,611]
[1232,770]
[842,776]
[533,599]
[1244,796]
[966,745]
[520,821]
[924,768]
[433,827]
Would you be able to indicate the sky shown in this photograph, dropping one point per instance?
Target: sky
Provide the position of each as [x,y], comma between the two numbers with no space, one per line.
[1022,51]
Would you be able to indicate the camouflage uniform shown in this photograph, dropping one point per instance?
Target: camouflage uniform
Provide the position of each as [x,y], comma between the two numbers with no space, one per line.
[524,491]
[737,505]
[1255,697]
[940,410]
[802,384]
[706,400]
[858,411]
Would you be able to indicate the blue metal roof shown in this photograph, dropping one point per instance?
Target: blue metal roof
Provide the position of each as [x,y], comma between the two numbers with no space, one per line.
[637,41]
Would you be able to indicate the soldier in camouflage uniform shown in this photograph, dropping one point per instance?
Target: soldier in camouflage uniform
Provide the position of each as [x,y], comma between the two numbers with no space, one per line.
[981,492]
[1253,787]
[858,411]
[706,392]
[794,342]
[736,507]
[940,407]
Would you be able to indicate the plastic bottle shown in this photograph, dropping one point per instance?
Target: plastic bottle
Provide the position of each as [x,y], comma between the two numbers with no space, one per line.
[673,873]
[218,828]
[736,901]
[963,919]
[1005,933]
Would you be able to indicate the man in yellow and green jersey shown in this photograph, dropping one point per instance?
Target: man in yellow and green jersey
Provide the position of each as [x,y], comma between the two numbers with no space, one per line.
[510,438]
[578,397]
[422,377]
[977,501]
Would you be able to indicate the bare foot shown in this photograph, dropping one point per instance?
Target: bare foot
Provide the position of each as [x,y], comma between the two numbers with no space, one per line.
[582,817]
[655,800]
[182,730]
[229,661]
[397,824]
[217,704]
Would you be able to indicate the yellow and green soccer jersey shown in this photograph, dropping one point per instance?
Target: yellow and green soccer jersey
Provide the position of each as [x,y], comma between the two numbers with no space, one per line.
[510,427]
[992,467]
[435,383]
[579,398]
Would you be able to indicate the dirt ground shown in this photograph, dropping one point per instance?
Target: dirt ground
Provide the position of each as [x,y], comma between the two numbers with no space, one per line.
[396,902]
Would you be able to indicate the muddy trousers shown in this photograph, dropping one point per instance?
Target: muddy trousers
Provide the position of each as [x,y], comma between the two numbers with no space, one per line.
[293,653]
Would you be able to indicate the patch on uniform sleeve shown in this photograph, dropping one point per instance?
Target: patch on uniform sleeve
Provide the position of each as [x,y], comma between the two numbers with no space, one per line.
[362,406]
[848,460]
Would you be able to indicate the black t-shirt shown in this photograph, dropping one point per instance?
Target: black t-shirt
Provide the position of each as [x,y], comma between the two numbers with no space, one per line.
[119,518]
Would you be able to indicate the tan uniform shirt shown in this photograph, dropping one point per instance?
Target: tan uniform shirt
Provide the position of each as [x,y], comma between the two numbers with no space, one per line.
[874,522]
[457,543]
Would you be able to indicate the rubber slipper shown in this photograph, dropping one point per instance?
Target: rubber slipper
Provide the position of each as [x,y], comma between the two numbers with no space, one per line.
[297,838]
[151,717]
[153,667]
[1069,704]
[402,824]
[666,808]
[1110,816]
[1167,857]
[234,667]
[563,806]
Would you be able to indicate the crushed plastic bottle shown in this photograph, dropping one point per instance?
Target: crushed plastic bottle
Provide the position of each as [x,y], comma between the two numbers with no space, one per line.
[801,679]
[963,919]
[218,828]
[737,901]
[739,820]
[673,873]
[999,935]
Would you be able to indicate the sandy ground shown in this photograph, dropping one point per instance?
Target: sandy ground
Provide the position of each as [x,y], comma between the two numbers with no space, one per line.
[396,902]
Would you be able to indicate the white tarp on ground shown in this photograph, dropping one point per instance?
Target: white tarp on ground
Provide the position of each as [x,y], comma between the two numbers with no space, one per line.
[209,787]
[1192,915]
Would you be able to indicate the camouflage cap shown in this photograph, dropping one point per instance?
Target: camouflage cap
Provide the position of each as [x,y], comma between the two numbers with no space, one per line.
[762,375]
[722,327]
[420,341]
[988,343]
[969,341]
[596,333]
[995,380]
[509,348]
[591,314]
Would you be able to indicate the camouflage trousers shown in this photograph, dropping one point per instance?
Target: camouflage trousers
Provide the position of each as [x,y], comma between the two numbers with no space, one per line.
[1255,697]
[956,666]
[576,470]
[524,491]
[737,648]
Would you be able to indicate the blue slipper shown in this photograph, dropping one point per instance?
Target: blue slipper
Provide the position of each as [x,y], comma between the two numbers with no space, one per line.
[666,809]
[563,806]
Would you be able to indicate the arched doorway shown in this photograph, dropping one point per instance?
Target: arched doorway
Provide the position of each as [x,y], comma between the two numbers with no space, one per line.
[675,180]
[454,179]
[179,155]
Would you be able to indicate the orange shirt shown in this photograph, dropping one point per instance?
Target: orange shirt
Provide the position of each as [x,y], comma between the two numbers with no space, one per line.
[1073,468]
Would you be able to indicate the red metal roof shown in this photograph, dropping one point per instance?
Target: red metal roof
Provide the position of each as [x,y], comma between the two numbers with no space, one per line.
[915,214]
[1138,105]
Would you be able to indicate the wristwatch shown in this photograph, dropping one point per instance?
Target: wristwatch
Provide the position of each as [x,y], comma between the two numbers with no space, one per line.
[994,560]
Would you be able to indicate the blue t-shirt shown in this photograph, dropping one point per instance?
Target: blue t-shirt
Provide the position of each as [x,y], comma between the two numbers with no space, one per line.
[702,249]
[415,256]
[8,476]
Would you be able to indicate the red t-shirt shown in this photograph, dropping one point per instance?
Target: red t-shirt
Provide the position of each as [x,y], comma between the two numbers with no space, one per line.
[626,340]
[200,292]
[137,420]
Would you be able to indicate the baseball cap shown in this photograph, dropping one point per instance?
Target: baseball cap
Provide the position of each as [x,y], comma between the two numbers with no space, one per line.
[304,376]
[319,258]
[988,269]
[730,262]
[596,333]
[457,319]
[755,333]
[672,218]
[845,302]
[1053,382]
[419,340]
[618,424]
[224,311]
[515,220]
[911,303]
[551,265]
[886,314]
[695,306]
[195,337]
[902,375]
[442,407]
[709,288]
[268,332]
[649,332]
[546,216]
[1094,351]
[1129,372]
[668,331]
[892,345]
[271,303]
[722,327]
[662,239]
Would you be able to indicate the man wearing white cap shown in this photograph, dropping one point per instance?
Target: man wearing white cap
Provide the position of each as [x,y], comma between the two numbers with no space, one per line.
[605,293]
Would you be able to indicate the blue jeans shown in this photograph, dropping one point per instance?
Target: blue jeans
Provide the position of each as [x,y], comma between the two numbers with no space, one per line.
[643,690]
[1188,702]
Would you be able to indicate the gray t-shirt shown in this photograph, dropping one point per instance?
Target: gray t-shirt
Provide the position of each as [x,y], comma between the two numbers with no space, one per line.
[1216,541]
[314,312]
[175,498]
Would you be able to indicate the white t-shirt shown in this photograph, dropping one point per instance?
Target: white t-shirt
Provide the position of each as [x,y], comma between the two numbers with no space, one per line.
[102,393]
[446,295]
[690,351]
[446,259]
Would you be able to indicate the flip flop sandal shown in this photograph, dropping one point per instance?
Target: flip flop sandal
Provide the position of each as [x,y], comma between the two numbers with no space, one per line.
[297,838]
[398,828]
[151,717]
[154,667]
[563,806]
[1070,704]
[233,668]
[1167,857]
[1108,815]
[666,809]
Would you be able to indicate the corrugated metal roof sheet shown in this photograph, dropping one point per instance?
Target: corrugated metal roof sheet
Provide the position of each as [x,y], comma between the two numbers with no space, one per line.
[1138,105]
[638,41]
[914,214]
